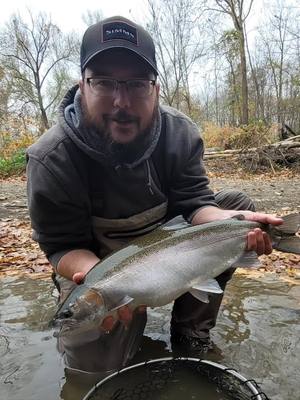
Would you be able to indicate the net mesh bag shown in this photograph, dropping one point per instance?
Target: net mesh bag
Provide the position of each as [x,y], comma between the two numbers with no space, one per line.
[174,379]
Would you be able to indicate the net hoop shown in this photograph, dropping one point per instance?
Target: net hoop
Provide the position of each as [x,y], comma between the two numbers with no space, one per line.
[250,383]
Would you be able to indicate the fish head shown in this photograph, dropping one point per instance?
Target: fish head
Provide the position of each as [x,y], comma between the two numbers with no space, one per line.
[87,308]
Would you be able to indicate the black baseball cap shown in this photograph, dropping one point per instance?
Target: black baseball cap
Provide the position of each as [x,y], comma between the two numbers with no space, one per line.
[117,32]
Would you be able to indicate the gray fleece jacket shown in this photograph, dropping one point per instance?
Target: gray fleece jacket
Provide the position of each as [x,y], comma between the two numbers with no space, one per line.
[78,197]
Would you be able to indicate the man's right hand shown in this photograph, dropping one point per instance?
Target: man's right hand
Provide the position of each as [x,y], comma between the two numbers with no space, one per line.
[123,314]
[77,261]
[78,277]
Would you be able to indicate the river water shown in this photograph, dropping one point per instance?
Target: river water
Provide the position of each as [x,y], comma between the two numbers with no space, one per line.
[258,334]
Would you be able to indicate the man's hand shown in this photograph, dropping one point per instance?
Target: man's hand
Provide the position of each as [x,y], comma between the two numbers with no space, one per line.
[76,261]
[124,314]
[78,277]
[257,240]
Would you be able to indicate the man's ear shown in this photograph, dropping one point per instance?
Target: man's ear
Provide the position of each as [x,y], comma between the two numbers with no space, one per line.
[81,85]
[157,89]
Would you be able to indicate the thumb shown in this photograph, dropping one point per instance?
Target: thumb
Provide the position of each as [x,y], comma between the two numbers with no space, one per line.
[78,277]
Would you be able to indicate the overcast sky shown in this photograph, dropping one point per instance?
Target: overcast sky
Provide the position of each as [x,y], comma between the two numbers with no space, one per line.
[68,14]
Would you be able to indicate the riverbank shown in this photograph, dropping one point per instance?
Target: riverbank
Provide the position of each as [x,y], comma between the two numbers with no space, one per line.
[279,193]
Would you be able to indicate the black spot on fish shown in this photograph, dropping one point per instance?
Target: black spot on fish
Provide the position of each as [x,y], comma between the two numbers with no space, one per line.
[239,217]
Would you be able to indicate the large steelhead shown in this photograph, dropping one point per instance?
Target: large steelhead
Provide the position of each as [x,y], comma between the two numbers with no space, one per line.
[159,267]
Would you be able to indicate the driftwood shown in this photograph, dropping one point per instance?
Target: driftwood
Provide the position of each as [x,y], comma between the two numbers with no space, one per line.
[285,153]
[286,131]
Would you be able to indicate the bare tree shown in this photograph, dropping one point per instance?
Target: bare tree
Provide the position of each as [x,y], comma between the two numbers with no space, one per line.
[175,29]
[239,12]
[91,17]
[257,81]
[5,88]
[277,42]
[35,54]
[228,47]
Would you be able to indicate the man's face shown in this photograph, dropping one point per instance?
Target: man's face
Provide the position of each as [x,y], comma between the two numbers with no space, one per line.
[121,116]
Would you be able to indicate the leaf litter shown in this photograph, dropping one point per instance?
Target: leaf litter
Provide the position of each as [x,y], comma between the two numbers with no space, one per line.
[19,254]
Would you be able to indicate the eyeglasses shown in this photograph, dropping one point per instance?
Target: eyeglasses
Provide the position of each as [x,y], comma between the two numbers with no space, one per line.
[135,87]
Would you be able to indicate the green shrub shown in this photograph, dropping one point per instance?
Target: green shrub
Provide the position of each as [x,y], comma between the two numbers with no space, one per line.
[14,164]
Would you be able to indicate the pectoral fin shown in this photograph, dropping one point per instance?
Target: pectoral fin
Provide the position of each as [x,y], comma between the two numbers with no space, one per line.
[199,295]
[200,290]
[209,285]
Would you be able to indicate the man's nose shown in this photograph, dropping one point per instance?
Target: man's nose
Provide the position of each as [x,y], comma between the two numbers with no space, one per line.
[121,97]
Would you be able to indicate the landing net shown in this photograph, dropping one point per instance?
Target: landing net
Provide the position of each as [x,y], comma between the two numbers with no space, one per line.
[176,379]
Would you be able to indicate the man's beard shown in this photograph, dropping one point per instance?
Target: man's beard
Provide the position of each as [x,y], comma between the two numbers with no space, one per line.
[119,152]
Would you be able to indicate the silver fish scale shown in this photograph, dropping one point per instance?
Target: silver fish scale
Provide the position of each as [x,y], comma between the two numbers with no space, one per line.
[218,231]
[158,268]
[162,273]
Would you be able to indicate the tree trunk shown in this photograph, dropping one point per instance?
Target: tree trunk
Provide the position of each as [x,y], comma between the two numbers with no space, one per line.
[44,121]
[244,91]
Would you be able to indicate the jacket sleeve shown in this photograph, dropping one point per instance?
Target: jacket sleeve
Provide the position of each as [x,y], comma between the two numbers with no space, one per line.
[59,213]
[188,184]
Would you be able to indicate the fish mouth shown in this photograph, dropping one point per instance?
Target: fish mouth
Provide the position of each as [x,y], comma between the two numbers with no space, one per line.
[65,314]
[61,318]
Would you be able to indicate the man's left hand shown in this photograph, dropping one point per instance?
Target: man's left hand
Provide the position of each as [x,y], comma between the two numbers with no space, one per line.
[257,240]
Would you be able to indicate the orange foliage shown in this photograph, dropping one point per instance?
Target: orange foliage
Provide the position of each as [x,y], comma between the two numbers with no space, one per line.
[10,146]
[18,252]
[228,137]
[217,136]
[16,134]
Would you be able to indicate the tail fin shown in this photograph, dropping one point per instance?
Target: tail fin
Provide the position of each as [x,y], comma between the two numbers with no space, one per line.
[291,224]
[286,239]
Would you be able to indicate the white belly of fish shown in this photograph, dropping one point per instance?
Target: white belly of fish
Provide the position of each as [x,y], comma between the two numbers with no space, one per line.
[182,266]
